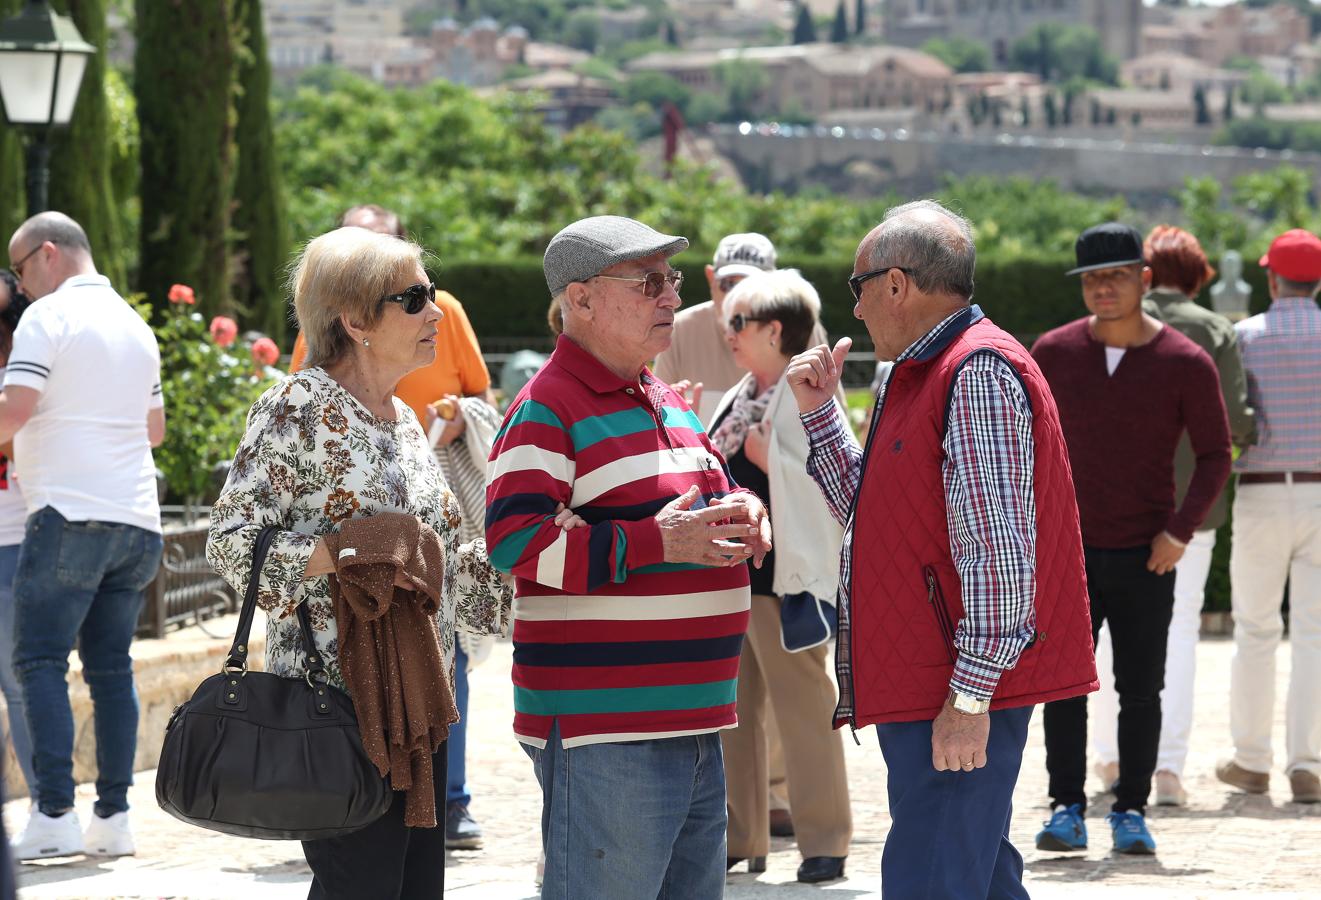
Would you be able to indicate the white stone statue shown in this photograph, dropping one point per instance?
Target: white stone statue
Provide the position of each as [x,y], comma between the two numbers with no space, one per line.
[1230,295]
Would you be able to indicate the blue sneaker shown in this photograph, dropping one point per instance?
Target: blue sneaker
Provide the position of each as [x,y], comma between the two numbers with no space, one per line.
[1065,831]
[1131,834]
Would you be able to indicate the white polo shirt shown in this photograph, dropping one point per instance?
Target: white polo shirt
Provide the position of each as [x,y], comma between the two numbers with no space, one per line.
[85,450]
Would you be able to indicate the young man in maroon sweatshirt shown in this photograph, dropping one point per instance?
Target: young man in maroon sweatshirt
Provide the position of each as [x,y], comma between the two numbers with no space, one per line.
[1127,387]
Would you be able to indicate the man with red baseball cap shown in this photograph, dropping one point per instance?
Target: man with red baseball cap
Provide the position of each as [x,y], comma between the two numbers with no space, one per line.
[1277,528]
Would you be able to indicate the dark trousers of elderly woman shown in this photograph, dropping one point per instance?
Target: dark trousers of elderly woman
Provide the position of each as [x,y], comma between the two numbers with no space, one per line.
[387,860]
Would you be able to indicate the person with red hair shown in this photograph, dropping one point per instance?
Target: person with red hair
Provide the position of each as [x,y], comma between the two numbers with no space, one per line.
[1179,272]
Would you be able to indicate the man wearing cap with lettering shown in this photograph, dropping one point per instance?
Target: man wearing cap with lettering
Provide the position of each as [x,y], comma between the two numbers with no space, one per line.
[1277,528]
[1127,386]
[627,632]
[698,353]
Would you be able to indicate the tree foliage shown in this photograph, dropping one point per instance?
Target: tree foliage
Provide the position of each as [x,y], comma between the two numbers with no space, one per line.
[1060,52]
[13,193]
[183,79]
[839,29]
[80,182]
[804,26]
[960,54]
[260,235]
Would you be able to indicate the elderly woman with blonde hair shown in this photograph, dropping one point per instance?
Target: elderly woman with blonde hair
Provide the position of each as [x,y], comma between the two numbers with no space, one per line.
[331,444]
[769,318]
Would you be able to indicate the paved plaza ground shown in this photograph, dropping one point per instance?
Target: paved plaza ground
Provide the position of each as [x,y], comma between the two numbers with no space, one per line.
[1222,844]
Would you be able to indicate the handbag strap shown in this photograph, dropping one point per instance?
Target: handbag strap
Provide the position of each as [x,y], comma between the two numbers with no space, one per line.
[237,659]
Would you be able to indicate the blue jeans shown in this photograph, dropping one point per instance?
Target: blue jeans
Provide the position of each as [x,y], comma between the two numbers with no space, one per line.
[950,834]
[641,820]
[80,581]
[456,787]
[18,725]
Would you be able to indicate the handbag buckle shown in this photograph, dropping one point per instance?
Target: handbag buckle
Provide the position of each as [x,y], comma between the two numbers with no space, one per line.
[229,668]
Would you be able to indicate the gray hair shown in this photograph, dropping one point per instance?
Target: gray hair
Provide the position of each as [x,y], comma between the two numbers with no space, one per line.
[939,260]
[57,228]
[1287,288]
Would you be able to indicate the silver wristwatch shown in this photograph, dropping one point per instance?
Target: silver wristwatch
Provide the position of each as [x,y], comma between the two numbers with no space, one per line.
[968,704]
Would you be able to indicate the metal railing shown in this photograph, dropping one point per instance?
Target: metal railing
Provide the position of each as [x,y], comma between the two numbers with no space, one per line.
[186,590]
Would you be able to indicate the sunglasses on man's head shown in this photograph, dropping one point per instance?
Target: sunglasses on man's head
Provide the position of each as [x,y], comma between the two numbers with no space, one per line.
[739,321]
[413,298]
[653,283]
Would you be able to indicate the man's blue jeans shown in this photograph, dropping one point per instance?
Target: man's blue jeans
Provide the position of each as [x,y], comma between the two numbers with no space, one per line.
[80,581]
[950,834]
[456,789]
[18,723]
[641,820]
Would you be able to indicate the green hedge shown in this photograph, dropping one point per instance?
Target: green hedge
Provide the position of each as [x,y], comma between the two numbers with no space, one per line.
[508,299]
[1026,297]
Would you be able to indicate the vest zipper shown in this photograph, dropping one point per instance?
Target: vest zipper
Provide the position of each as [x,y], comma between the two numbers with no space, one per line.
[936,599]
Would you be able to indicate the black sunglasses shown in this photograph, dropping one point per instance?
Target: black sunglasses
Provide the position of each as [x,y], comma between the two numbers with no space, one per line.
[414,298]
[738,321]
[856,282]
[17,268]
[729,282]
[653,283]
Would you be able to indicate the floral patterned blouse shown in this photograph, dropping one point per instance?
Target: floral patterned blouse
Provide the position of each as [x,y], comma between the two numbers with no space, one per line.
[312,457]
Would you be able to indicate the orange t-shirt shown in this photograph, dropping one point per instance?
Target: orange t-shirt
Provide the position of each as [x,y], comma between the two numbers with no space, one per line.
[459,368]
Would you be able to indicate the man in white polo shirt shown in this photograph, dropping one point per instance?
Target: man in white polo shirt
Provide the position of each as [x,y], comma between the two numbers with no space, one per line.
[82,402]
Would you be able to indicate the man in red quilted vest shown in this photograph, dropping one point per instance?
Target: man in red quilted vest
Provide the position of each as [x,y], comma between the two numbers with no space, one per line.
[962,600]
[1128,387]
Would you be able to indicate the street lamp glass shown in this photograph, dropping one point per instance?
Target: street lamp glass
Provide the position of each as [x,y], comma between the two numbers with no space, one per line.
[42,61]
[27,80]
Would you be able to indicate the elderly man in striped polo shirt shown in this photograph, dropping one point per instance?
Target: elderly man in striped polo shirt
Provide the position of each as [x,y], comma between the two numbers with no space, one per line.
[627,632]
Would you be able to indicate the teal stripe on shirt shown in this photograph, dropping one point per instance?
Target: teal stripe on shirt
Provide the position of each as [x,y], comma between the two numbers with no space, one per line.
[595,429]
[625,700]
[531,412]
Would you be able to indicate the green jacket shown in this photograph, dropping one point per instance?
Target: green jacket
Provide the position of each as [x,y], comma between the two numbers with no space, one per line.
[1214,334]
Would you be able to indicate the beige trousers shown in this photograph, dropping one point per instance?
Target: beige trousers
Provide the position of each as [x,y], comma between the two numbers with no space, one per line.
[803,697]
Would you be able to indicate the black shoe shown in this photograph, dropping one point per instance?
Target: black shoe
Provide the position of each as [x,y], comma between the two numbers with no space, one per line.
[821,868]
[755,864]
[782,823]
[461,832]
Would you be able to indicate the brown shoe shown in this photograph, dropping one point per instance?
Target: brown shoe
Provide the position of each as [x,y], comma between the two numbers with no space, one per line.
[1306,786]
[1232,773]
[782,823]
[1169,790]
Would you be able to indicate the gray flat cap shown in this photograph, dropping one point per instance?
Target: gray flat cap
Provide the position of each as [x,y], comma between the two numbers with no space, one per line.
[589,246]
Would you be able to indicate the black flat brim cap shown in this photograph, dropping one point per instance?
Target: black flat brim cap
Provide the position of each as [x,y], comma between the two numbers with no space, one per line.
[1107,246]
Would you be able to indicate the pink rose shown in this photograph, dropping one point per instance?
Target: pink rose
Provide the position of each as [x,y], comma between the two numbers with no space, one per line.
[265,352]
[182,293]
[224,331]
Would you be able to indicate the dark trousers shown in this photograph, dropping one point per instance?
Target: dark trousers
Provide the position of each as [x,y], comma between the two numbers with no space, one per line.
[1138,605]
[386,860]
[950,837]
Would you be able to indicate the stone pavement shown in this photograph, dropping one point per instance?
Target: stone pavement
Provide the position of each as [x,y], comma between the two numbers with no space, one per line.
[1222,844]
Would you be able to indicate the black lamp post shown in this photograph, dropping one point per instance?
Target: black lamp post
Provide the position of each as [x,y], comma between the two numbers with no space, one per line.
[42,61]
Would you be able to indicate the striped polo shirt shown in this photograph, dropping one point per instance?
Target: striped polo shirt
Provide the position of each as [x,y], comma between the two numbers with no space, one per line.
[610,640]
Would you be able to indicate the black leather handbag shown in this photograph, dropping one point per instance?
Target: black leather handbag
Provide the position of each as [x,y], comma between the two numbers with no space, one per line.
[258,755]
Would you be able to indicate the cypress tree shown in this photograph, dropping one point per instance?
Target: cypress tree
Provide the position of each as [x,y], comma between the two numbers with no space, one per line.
[183,78]
[261,233]
[13,194]
[860,18]
[80,155]
[1202,113]
[1228,113]
[804,27]
[839,31]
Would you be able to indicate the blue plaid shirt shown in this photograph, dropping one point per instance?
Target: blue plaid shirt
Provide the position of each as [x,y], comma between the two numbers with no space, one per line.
[990,503]
[1282,355]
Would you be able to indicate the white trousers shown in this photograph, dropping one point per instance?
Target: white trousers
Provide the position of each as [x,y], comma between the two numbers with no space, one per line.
[1176,700]
[1277,536]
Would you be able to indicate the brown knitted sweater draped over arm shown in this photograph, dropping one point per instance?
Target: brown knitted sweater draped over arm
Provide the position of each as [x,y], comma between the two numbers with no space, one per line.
[389,649]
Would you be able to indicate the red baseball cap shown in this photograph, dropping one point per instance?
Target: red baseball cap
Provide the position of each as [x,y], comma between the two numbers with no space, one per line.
[1295,255]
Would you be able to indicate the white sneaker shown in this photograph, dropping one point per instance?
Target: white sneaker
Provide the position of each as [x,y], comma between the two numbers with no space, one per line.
[46,836]
[109,837]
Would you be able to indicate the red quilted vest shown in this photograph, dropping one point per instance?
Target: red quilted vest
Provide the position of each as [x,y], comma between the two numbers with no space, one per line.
[906,594]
